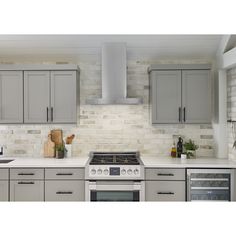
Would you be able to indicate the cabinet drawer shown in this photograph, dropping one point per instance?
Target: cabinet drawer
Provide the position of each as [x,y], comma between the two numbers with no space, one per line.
[64,190]
[165,174]
[165,190]
[64,173]
[26,190]
[26,173]
[4,174]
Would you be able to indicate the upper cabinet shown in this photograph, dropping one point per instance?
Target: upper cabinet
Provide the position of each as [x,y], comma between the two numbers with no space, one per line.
[11,97]
[180,94]
[196,96]
[50,97]
[63,97]
[38,94]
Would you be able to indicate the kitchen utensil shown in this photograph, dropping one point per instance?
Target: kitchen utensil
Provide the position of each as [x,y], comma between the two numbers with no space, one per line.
[70,139]
[49,147]
[57,136]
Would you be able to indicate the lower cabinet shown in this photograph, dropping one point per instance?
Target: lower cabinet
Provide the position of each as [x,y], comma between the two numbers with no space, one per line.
[27,184]
[26,190]
[4,189]
[64,184]
[165,190]
[165,184]
[64,190]
[4,184]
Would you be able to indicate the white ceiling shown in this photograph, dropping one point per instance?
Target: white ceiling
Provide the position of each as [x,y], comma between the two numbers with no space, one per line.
[138,46]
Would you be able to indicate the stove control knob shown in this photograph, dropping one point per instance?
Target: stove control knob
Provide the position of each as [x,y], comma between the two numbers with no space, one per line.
[129,171]
[93,171]
[99,171]
[123,171]
[136,171]
[106,172]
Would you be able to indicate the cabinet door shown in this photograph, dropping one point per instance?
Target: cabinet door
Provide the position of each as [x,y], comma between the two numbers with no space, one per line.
[166,96]
[64,190]
[3,190]
[165,190]
[11,97]
[36,96]
[196,102]
[26,190]
[63,97]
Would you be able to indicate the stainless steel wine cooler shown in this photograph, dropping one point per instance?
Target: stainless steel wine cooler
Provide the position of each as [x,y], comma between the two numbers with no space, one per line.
[210,184]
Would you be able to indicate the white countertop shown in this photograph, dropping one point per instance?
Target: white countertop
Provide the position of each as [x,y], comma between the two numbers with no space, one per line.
[37,162]
[149,162]
[168,162]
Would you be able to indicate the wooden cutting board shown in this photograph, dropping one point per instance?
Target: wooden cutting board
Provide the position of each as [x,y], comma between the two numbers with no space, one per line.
[57,136]
[49,147]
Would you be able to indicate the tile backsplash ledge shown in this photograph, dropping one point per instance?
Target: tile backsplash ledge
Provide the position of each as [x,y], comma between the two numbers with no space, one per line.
[107,127]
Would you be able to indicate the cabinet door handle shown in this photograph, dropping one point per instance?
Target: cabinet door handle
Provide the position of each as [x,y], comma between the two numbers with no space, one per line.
[64,173]
[51,113]
[47,114]
[64,192]
[169,193]
[163,174]
[184,114]
[179,114]
[24,182]
[25,173]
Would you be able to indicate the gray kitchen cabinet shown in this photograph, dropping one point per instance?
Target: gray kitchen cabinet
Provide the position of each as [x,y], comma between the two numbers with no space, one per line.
[4,189]
[64,184]
[64,190]
[50,97]
[11,97]
[26,184]
[27,190]
[4,184]
[165,190]
[165,184]
[36,96]
[166,96]
[63,97]
[165,174]
[180,94]
[196,96]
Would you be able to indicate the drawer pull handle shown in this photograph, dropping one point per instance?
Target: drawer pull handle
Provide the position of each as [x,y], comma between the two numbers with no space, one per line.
[64,192]
[170,193]
[162,174]
[26,174]
[22,182]
[64,174]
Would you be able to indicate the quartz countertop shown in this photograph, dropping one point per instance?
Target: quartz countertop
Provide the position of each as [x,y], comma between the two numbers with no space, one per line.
[149,162]
[200,162]
[36,162]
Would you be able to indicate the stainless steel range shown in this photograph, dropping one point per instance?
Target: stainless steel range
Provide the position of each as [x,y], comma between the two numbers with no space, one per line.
[114,176]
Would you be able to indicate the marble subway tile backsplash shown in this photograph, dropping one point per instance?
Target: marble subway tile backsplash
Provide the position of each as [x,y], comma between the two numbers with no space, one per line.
[107,127]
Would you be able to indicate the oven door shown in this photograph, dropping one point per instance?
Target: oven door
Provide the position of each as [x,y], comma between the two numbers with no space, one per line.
[115,191]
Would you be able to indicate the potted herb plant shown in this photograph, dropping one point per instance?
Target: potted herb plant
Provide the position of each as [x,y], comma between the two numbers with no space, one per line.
[60,151]
[190,148]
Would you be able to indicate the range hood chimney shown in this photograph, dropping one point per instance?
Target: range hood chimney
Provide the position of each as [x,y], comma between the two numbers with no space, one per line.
[114,77]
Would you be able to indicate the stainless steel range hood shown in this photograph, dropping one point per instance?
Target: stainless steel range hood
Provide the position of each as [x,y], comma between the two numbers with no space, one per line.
[114,77]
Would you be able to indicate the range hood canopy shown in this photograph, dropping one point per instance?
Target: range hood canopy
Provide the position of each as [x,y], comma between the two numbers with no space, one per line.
[114,77]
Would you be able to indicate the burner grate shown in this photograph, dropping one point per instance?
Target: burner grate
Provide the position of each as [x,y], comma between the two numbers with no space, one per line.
[114,159]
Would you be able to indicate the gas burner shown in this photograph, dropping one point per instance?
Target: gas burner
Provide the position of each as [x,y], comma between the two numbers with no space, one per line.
[102,158]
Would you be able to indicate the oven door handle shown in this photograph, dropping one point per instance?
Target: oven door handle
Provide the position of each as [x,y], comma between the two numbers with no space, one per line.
[114,187]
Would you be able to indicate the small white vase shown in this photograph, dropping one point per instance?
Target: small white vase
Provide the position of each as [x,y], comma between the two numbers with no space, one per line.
[68,152]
